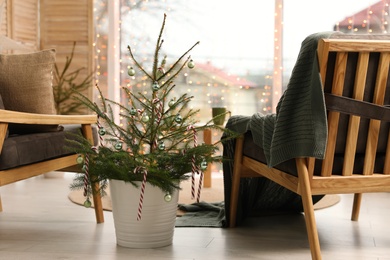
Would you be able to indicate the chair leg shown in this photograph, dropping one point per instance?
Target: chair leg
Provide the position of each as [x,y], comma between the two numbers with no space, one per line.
[97,201]
[236,181]
[357,200]
[308,208]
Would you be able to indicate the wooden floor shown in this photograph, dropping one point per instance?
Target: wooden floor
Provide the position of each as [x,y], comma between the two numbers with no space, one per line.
[39,222]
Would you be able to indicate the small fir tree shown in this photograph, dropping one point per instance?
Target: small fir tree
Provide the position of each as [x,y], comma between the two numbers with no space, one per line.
[158,141]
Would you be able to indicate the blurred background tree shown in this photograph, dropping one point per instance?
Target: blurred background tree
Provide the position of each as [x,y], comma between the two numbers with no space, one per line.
[65,83]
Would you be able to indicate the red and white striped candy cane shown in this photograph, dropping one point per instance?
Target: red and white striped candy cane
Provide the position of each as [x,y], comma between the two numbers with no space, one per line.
[141,198]
[200,186]
[193,161]
[86,175]
[158,110]
[86,172]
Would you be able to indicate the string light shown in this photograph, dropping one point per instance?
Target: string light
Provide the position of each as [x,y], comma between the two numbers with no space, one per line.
[206,85]
[278,41]
[375,20]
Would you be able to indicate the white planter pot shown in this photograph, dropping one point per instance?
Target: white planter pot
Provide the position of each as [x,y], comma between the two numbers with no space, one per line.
[157,225]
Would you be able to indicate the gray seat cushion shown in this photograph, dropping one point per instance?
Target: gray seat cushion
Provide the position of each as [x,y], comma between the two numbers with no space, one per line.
[21,150]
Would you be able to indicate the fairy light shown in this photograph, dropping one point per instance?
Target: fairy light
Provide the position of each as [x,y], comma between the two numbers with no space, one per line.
[375,20]
[278,41]
[385,16]
[229,91]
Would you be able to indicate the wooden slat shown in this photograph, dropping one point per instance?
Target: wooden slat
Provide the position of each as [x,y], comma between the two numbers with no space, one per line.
[23,23]
[374,127]
[3,22]
[352,45]
[386,168]
[310,166]
[354,121]
[323,56]
[333,117]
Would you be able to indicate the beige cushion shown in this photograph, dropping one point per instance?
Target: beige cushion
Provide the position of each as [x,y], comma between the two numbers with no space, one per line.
[26,86]
[26,82]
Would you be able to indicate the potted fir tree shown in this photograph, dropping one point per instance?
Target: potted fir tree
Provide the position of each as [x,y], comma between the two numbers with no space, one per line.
[150,153]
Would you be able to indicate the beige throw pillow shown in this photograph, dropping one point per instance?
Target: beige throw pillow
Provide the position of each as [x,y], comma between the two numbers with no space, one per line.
[26,82]
[26,86]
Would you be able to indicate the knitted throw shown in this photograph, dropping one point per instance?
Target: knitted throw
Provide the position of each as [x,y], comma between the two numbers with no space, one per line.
[299,127]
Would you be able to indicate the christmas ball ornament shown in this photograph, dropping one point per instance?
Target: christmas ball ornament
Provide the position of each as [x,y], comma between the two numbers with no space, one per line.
[118,146]
[131,72]
[191,64]
[87,203]
[79,159]
[203,165]
[171,103]
[102,131]
[161,146]
[133,111]
[84,168]
[178,119]
[145,118]
[168,197]
[155,86]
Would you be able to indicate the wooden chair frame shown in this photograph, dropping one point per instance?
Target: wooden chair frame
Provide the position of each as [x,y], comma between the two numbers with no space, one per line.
[66,163]
[307,183]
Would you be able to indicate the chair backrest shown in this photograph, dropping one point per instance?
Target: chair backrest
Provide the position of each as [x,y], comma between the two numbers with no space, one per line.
[355,76]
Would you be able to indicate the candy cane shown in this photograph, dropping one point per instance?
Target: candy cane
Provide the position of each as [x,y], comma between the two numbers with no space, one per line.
[158,111]
[86,175]
[86,172]
[141,198]
[193,162]
[200,186]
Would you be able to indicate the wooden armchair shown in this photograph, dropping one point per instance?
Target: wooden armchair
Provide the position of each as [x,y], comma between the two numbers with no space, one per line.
[356,86]
[32,136]
[41,152]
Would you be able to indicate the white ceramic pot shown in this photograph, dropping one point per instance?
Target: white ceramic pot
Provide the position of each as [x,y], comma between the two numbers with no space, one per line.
[157,224]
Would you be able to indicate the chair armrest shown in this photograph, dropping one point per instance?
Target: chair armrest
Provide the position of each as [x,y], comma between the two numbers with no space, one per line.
[8,116]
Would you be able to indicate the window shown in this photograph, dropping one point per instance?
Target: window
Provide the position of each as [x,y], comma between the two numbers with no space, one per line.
[235,58]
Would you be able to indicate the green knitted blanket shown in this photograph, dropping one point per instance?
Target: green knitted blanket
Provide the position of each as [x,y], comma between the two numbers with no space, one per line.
[299,127]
